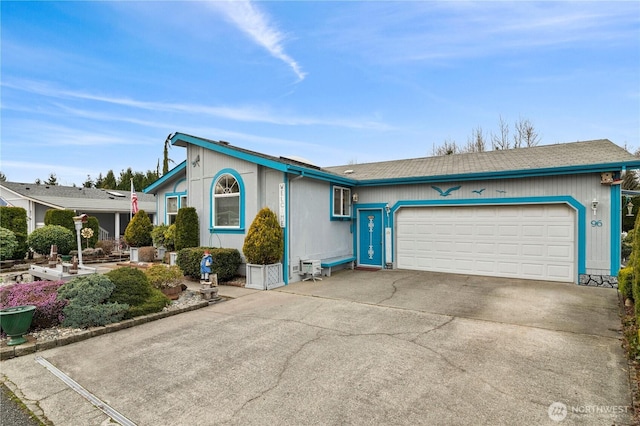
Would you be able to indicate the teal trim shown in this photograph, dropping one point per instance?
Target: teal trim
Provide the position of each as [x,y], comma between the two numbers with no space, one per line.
[616,228]
[285,231]
[219,230]
[385,222]
[181,139]
[338,262]
[580,209]
[331,204]
[168,195]
[507,174]
[167,177]
[175,187]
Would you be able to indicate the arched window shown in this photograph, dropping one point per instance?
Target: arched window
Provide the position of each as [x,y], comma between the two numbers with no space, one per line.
[227,202]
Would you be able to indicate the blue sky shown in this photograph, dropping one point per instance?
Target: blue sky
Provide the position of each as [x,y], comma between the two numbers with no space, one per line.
[92,86]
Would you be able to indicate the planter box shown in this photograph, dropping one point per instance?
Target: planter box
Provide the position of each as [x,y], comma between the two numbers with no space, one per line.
[264,277]
[133,254]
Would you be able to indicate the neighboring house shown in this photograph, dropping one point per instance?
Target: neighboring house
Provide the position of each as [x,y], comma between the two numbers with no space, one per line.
[550,212]
[112,208]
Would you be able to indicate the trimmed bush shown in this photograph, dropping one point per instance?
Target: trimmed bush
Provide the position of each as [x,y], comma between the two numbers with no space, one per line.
[264,243]
[133,288]
[170,238]
[225,262]
[15,220]
[8,243]
[625,282]
[146,254]
[138,232]
[157,235]
[187,228]
[41,239]
[163,276]
[60,217]
[41,294]
[156,302]
[88,303]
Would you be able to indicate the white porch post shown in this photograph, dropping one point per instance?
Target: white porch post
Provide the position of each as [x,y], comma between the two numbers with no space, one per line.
[117,225]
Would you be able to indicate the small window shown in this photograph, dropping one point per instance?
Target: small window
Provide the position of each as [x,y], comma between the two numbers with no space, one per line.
[183,201]
[341,202]
[172,209]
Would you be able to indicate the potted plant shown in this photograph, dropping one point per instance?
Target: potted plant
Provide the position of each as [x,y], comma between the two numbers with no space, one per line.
[263,248]
[15,321]
[138,234]
[167,279]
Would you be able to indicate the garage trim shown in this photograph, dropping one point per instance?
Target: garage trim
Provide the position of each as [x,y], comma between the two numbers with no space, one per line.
[581,213]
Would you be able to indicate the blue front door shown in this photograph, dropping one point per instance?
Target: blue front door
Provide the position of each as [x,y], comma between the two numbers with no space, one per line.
[370,233]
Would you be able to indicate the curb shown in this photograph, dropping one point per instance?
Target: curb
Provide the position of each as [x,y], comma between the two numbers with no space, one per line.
[8,352]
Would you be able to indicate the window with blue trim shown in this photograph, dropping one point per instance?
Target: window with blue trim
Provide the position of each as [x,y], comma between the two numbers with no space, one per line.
[341,202]
[226,201]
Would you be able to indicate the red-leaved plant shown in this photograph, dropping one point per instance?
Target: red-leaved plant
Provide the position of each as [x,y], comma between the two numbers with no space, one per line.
[41,294]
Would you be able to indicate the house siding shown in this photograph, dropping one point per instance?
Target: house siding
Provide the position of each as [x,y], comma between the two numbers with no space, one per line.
[583,188]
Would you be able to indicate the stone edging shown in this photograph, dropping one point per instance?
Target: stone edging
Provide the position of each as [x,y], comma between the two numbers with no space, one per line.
[8,352]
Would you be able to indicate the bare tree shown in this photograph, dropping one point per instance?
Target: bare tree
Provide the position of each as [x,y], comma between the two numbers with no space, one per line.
[476,142]
[526,135]
[449,147]
[501,140]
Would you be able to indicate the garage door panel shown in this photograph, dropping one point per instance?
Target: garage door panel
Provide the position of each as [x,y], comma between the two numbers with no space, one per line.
[529,241]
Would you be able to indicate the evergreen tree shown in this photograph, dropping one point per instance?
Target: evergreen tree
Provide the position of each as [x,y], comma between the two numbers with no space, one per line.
[109,181]
[53,180]
[88,183]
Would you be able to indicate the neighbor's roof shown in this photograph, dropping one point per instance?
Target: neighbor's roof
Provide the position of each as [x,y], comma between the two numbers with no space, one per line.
[589,156]
[77,198]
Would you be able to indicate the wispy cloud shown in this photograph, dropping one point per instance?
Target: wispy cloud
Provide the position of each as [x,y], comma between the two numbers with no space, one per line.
[258,26]
[246,113]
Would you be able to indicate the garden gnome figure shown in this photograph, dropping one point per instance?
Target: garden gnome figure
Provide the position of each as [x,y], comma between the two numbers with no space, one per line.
[205,266]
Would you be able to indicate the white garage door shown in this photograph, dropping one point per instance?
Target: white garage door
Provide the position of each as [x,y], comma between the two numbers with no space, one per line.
[529,241]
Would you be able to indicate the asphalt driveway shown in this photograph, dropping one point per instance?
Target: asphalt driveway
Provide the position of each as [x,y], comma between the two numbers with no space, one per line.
[387,347]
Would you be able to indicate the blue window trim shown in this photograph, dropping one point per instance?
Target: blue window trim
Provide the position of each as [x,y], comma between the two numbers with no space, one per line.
[331,215]
[218,230]
[616,228]
[581,212]
[168,195]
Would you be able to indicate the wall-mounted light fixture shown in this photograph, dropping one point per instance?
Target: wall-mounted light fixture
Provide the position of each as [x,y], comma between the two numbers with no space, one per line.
[354,197]
[387,208]
[594,206]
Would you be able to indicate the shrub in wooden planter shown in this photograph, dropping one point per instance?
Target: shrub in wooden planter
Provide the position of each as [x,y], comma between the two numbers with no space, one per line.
[263,247]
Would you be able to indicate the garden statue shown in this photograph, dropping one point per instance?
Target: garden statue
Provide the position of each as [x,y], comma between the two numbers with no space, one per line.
[205,266]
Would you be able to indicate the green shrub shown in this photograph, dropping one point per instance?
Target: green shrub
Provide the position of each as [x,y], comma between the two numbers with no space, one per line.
[154,303]
[225,262]
[625,282]
[61,218]
[264,243]
[147,254]
[187,228]
[163,276]
[41,239]
[627,245]
[157,235]
[15,220]
[170,238]
[138,232]
[635,264]
[94,224]
[8,243]
[88,304]
[131,286]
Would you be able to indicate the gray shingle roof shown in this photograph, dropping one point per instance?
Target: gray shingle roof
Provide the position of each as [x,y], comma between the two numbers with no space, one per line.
[79,198]
[559,156]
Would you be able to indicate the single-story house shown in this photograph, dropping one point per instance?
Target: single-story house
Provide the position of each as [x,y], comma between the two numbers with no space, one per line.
[112,208]
[549,212]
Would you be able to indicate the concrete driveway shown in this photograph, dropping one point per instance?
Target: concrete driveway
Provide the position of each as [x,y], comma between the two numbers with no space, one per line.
[387,347]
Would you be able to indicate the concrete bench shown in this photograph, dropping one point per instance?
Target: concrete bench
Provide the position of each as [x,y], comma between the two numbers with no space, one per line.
[329,263]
